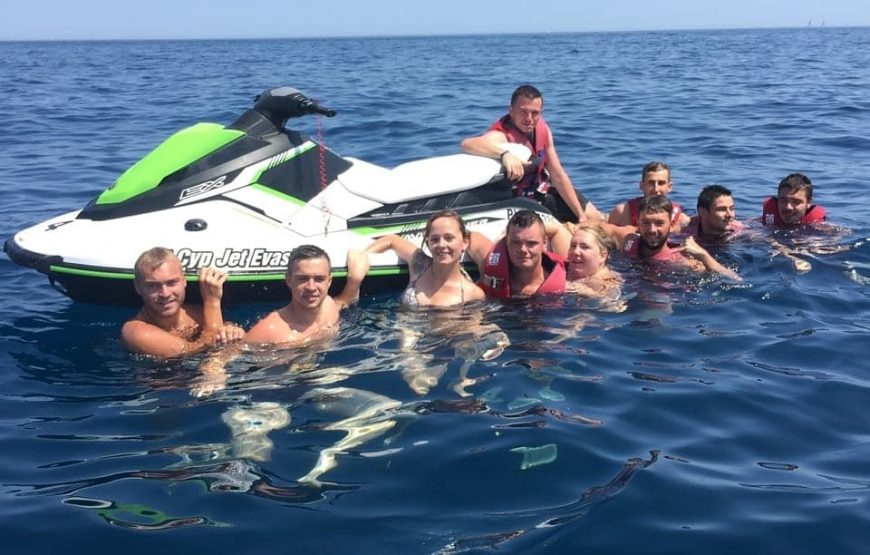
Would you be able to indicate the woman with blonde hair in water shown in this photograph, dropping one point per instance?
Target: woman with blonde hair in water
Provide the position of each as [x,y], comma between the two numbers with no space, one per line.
[587,270]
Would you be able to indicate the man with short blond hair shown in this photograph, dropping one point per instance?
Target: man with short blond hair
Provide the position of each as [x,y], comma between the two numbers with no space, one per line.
[166,326]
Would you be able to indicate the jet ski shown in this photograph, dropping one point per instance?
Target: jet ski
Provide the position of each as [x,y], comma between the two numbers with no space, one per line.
[240,198]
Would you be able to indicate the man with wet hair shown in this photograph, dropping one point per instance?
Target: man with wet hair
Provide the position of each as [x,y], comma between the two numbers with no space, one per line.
[519,264]
[649,240]
[791,207]
[716,220]
[655,180]
[311,312]
[546,182]
[166,326]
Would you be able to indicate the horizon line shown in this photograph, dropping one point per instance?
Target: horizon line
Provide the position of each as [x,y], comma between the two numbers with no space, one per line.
[428,35]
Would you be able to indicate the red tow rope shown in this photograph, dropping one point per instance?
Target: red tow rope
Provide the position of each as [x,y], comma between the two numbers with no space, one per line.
[327,214]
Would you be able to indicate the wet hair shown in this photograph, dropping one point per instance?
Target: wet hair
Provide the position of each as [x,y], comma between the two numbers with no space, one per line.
[603,240]
[796,182]
[655,167]
[525,219]
[654,204]
[306,252]
[445,214]
[152,259]
[710,193]
[526,91]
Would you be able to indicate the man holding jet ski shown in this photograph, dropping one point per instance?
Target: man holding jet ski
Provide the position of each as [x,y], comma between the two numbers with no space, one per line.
[547,182]
[166,326]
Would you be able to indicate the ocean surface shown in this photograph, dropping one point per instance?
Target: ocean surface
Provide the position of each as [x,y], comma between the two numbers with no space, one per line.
[705,417]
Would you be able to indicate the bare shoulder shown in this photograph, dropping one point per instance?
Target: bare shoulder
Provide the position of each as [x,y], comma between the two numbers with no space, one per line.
[139,336]
[270,329]
[474,292]
[331,311]
[132,329]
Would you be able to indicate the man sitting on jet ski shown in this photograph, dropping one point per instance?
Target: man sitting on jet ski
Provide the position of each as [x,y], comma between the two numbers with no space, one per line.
[524,124]
[166,326]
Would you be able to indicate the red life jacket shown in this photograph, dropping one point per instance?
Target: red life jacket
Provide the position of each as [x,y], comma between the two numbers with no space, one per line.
[533,177]
[770,214]
[631,249]
[634,211]
[495,279]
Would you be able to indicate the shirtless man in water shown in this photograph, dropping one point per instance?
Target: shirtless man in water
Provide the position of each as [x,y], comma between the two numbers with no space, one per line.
[311,312]
[166,326]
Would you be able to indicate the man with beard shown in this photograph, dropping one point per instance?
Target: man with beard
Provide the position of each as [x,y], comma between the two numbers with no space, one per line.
[716,221]
[166,326]
[649,241]
[311,313]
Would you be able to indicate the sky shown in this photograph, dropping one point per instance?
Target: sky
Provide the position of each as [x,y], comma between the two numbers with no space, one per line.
[199,19]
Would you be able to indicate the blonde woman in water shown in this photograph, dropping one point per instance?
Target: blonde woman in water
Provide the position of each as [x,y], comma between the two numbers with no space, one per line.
[587,270]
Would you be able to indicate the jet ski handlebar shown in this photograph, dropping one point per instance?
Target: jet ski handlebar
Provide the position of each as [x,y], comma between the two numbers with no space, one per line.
[282,103]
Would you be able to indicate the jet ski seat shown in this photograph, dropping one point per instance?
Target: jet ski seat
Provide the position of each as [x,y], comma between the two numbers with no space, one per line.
[425,178]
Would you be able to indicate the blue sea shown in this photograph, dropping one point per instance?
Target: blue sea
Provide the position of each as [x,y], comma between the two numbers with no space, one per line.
[706,417]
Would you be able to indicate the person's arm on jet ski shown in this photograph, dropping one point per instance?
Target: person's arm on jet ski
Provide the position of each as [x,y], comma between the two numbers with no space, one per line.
[479,246]
[407,251]
[357,268]
[403,248]
[559,237]
[491,144]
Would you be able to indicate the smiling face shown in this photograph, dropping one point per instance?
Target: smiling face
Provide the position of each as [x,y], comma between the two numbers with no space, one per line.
[308,280]
[585,255]
[445,241]
[793,205]
[525,113]
[656,182]
[162,288]
[526,245]
[654,228]
[717,219]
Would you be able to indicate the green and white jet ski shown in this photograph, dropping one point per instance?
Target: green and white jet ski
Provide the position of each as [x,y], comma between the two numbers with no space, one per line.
[240,198]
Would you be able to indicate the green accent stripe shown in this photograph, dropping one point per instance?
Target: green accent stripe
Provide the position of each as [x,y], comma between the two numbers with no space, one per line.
[366,231]
[90,273]
[178,151]
[284,157]
[237,277]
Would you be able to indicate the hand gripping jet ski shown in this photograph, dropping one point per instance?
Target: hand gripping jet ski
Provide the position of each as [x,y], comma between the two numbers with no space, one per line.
[241,197]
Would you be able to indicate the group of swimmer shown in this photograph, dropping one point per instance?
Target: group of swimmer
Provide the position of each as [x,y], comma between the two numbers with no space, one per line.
[535,255]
